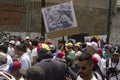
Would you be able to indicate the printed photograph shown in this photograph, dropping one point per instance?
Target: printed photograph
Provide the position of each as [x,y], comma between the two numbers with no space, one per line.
[59,17]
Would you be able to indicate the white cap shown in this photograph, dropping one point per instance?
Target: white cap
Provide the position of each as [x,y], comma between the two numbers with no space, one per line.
[12,42]
[77,45]
[94,45]
[27,37]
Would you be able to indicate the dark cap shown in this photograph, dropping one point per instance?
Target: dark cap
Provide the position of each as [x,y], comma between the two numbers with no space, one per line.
[115,50]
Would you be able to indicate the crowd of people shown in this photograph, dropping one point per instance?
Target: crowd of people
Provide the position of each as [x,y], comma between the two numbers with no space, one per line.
[41,59]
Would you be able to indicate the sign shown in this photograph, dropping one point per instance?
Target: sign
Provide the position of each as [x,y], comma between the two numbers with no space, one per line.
[60,20]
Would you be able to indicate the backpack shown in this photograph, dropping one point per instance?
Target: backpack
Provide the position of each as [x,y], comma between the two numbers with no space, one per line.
[95,74]
[107,65]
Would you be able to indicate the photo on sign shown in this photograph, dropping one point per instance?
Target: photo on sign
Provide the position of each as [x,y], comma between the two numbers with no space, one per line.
[59,17]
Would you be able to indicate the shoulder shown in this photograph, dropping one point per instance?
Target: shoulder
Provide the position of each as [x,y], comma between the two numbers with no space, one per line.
[24,57]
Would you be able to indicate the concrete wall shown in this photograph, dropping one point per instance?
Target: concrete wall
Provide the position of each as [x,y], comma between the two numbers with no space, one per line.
[115,29]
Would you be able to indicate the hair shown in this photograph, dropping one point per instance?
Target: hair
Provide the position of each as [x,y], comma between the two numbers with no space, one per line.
[35,42]
[85,56]
[35,73]
[61,41]
[3,48]
[20,48]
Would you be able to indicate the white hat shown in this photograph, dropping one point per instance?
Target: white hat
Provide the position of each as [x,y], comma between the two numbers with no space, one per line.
[27,38]
[77,45]
[94,45]
[12,42]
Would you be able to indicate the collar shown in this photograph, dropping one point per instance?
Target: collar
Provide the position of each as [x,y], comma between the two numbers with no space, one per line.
[93,78]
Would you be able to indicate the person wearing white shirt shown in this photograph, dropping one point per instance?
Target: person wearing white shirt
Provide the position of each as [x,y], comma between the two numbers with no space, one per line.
[85,68]
[3,62]
[111,67]
[11,50]
[34,54]
[4,49]
[23,58]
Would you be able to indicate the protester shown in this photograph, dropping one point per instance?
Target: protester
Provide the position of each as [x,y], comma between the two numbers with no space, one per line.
[14,69]
[34,54]
[4,49]
[106,53]
[85,68]
[3,62]
[11,50]
[71,52]
[92,48]
[35,73]
[111,67]
[55,70]
[23,58]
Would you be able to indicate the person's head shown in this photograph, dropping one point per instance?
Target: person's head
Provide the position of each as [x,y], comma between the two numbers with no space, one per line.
[55,14]
[102,43]
[34,43]
[80,45]
[14,69]
[107,48]
[85,65]
[115,54]
[44,54]
[92,47]
[12,43]
[52,48]
[69,46]
[76,47]
[35,73]
[41,39]
[3,48]
[100,52]
[3,58]
[20,49]
[61,43]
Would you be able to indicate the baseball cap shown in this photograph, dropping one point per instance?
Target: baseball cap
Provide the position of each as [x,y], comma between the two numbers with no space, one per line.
[94,45]
[77,45]
[100,51]
[61,54]
[42,46]
[27,37]
[107,46]
[42,51]
[69,45]
[12,42]
[115,50]
[14,66]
